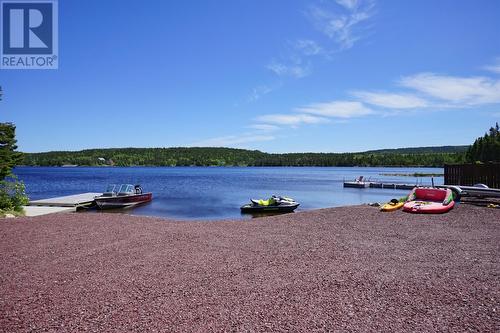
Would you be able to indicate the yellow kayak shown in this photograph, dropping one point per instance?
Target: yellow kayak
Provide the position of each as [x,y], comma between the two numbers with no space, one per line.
[392,206]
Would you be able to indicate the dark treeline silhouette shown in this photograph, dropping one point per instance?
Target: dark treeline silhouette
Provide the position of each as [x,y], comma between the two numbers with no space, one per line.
[486,148]
[429,156]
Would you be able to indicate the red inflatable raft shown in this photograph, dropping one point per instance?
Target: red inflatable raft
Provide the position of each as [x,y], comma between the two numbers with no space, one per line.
[429,201]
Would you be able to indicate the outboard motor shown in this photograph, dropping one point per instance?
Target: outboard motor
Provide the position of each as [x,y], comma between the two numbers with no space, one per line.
[138,189]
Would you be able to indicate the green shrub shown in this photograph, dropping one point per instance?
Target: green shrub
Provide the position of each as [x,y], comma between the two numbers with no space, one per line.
[12,195]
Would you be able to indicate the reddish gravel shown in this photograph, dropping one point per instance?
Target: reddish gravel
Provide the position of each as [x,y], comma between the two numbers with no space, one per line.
[345,269]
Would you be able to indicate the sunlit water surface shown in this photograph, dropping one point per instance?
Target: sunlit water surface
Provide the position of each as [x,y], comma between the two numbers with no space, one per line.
[217,193]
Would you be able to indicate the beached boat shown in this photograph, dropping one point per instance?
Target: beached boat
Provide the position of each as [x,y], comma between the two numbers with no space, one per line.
[122,196]
[273,204]
[429,200]
[392,205]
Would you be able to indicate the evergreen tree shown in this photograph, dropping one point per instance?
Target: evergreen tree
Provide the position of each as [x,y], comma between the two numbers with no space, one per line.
[12,192]
[486,148]
[9,157]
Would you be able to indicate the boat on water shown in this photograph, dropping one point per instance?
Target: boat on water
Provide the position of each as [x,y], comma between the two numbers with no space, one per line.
[427,200]
[273,204]
[359,182]
[122,196]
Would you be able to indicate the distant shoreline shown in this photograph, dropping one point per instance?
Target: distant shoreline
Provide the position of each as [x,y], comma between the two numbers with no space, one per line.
[248,166]
[229,157]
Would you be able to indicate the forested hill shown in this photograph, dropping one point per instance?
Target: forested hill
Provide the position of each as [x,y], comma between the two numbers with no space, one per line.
[422,150]
[427,156]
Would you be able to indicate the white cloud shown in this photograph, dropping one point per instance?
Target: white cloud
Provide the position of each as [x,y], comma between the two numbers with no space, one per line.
[291,119]
[495,68]
[391,100]
[308,47]
[296,70]
[264,127]
[459,90]
[343,26]
[233,140]
[337,109]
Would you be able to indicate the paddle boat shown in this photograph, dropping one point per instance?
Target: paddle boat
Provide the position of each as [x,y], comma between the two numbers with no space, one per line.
[122,196]
[273,204]
[428,200]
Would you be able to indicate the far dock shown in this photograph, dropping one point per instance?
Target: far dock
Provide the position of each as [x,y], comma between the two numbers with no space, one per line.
[395,186]
[367,184]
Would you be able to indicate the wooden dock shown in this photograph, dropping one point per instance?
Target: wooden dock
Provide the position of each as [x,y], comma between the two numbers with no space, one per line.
[77,201]
[395,186]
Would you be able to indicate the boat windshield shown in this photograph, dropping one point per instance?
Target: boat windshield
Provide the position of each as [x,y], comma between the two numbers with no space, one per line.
[126,188]
[112,188]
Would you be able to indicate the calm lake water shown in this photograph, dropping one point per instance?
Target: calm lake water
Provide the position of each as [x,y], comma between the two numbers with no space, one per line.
[215,193]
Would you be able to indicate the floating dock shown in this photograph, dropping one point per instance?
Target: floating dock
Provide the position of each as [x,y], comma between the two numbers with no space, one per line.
[357,184]
[41,210]
[69,203]
[395,186]
[77,201]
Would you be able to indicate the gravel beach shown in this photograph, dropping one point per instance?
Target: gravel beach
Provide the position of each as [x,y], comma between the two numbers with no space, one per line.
[339,269]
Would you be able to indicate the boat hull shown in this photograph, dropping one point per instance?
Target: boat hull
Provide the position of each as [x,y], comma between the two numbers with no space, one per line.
[273,208]
[427,207]
[429,201]
[123,201]
[390,207]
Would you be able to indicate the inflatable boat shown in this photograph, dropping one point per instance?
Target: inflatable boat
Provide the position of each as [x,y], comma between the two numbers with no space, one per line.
[426,200]
[273,204]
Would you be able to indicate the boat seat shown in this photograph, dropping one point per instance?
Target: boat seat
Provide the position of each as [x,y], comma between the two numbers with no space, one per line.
[268,202]
[426,195]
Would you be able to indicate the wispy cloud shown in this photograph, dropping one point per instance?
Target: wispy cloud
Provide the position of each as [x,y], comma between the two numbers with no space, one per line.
[337,109]
[458,90]
[295,69]
[290,119]
[307,47]
[495,68]
[264,127]
[233,140]
[342,23]
[259,92]
[391,100]
[349,4]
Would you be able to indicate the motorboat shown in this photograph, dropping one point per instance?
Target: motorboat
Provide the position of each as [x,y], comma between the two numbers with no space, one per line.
[273,204]
[122,196]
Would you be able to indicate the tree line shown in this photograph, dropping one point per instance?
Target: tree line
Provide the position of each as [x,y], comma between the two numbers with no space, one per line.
[201,156]
[486,148]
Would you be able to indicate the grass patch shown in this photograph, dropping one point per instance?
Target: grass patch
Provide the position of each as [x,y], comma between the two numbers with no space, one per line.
[3,213]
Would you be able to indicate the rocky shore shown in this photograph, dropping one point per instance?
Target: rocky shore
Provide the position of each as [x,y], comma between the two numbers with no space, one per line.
[339,269]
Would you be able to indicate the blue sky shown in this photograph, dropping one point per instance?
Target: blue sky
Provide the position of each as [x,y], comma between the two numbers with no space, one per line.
[278,76]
